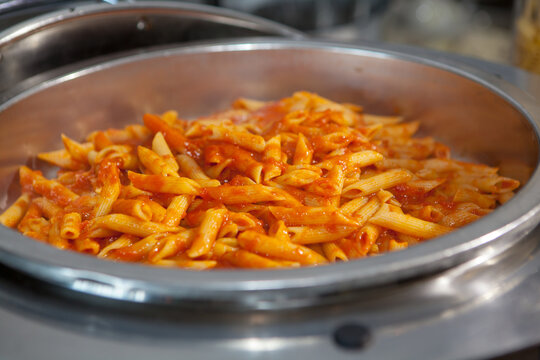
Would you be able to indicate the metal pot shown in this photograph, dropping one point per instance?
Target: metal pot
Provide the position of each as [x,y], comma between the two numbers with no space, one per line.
[80,35]
[479,116]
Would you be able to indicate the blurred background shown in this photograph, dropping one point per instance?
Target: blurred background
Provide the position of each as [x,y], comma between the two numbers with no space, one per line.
[483,29]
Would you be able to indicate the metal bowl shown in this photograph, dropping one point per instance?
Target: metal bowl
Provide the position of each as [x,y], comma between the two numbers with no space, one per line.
[481,117]
[79,35]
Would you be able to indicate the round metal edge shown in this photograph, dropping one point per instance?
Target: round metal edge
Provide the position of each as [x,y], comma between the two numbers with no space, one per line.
[127,280]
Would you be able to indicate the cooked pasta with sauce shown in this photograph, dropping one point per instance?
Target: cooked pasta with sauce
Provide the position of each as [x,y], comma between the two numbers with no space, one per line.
[301,181]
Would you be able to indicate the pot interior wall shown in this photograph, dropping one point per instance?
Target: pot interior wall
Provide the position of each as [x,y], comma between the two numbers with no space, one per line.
[472,119]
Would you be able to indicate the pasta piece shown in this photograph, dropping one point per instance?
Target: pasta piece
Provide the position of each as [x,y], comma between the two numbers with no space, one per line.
[393,245]
[138,250]
[61,158]
[78,152]
[311,216]
[390,163]
[221,249]
[245,140]
[160,147]
[188,264]
[458,218]
[241,160]
[172,245]
[71,226]
[363,214]
[431,213]
[123,241]
[332,252]
[170,117]
[47,207]
[28,221]
[298,177]
[87,245]
[330,185]
[97,232]
[424,185]
[353,160]
[366,237]
[272,166]
[51,189]
[121,155]
[482,200]
[13,214]
[207,232]
[353,205]
[164,184]
[374,183]
[229,194]
[173,136]
[132,207]
[133,226]
[177,209]
[270,246]
[245,259]
[54,238]
[279,230]
[319,234]
[303,152]
[404,130]
[158,211]
[191,168]
[155,163]
[245,221]
[392,218]
[130,191]
[109,176]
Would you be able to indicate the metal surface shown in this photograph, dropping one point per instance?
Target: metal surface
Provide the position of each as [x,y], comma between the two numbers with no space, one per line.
[481,308]
[86,33]
[204,78]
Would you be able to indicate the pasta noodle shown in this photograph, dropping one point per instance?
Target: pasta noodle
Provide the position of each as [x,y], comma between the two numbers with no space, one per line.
[302,181]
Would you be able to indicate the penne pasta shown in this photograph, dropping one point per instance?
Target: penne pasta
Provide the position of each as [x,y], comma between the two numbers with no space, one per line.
[245,140]
[160,147]
[229,194]
[306,215]
[132,207]
[130,225]
[109,176]
[302,181]
[319,234]
[392,218]
[191,168]
[71,226]
[207,233]
[13,214]
[374,183]
[155,163]
[78,152]
[263,244]
[164,184]
[177,209]
[245,259]
[333,253]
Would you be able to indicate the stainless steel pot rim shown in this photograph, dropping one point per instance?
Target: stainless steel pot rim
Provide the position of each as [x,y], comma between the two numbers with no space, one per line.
[144,283]
[76,11]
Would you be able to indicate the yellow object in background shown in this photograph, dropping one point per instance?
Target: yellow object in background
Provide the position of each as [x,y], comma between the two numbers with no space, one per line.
[527,35]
